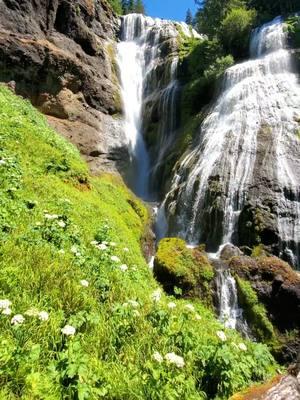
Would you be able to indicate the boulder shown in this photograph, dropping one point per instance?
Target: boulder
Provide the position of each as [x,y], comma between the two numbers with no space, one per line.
[178,266]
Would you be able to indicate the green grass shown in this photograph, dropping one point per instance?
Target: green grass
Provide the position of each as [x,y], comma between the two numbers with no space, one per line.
[51,210]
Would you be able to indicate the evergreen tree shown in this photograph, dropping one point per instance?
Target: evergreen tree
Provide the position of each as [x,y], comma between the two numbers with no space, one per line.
[189,17]
[131,6]
[139,7]
[125,6]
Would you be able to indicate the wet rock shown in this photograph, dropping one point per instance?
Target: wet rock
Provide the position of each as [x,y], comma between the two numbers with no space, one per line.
[230,251]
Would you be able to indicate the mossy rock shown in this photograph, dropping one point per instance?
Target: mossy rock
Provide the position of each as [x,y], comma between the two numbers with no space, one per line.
[254,312]
[177,266]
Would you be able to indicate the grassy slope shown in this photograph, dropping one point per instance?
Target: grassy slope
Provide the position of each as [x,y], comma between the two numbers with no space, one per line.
[42,263]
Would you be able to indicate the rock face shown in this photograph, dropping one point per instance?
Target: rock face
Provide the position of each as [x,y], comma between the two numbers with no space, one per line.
[240,181]
[278,288]
[60,55]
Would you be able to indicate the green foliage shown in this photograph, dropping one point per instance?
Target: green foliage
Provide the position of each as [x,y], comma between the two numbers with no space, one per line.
[255,312]
[293,27]
[116,6]
[70,246]
[133,6]
[235,30]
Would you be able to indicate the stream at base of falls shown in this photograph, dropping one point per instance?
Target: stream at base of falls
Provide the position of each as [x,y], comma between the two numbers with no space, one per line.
[260,92]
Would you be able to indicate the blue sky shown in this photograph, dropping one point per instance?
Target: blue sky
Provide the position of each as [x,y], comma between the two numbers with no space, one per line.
[169,9]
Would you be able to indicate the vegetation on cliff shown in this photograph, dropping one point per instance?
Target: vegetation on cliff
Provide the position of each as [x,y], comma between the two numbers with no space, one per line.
[81,315]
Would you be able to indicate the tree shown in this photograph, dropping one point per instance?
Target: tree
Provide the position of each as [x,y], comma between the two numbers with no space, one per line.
[189,17]
[131,6]
[139,7]
[235,30]
[125,6]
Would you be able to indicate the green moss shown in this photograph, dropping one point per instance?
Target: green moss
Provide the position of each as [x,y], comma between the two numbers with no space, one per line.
[293,27]
[179,266]
[255,312]
[258,251]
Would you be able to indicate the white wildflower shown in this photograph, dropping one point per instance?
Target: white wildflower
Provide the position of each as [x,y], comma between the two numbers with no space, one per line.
[105,242]
[172,305]
[43,316]
[136,313]
[221,335]
[198,317]
[7,311]
[61,251]
[2,162]
[32,312]
[74,249]
[173,358]
[113,244]
[61,224]
[38,224]
[156,295]
[133,303]
[102,246]
[18,319]
[84,283]
[68,330]
[189,307]
[242,346]
[94,242]
[157,357]
[115,259]
[126,249]
[123,267]
[4,304]
[125,305]
[50,216]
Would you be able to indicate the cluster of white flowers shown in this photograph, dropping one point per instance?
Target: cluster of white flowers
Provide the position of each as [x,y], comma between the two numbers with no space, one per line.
[156,295]
[190,307]
[84,283]
[157,357]
[115,259]
[18,319]
[221,335]
[5,307]
[2,162]
[173,358]
[133,303]
[68,330]
[242,346]
[50,216]
[102,246]
[198,317]
[126,249]
[123,267]
[34,312]
[61,224]
[171,305]
[75,251]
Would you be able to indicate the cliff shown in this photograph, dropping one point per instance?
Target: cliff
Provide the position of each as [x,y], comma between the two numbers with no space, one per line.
[60,55]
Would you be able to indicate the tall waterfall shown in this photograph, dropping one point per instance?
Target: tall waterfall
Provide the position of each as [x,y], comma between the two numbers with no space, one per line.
[147,57]
[245,151]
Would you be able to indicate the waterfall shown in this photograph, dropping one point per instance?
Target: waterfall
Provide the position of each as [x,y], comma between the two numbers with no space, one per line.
[148,85]
[259,101]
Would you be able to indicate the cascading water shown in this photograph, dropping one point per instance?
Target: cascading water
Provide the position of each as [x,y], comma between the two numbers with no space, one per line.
[148,82]
[259,99]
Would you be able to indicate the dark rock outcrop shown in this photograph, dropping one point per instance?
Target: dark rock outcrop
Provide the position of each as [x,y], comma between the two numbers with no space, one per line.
[277,287]
[60,55]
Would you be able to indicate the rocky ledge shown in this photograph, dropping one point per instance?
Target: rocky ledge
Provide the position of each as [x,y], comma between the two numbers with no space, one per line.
[60,55]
